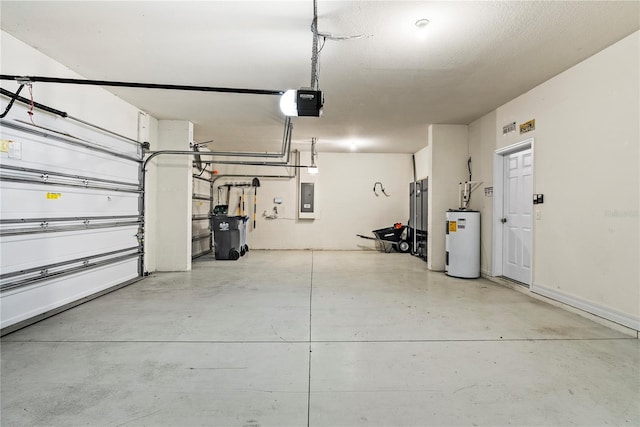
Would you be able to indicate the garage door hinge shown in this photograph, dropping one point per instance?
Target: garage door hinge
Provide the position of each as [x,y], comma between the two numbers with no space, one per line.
[45,177]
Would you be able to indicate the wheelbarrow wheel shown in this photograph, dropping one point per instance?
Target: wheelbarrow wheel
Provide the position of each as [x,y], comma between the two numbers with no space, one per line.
[404,246]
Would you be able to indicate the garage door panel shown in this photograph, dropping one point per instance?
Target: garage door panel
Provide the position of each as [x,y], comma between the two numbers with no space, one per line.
[24,252]
[54,125]
[200,227]
[200,186]
[201,246]
[42,153]
[201,206]
[21,200]
[201,209]
[71,219]
[24,303]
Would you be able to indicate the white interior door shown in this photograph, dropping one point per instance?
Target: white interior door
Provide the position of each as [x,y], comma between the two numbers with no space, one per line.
[517,220]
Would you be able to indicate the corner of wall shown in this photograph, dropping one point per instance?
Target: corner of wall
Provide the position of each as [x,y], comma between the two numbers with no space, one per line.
[482,145]
[449,149]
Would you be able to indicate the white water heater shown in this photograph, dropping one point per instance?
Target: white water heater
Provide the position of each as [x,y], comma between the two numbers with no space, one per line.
[462,244]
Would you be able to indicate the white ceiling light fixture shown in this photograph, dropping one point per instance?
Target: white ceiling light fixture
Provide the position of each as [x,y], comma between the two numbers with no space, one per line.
[288,104]
[422,23]
[421,26]
[313,169]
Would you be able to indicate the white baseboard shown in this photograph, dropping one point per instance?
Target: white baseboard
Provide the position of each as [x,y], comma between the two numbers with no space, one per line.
[598,310]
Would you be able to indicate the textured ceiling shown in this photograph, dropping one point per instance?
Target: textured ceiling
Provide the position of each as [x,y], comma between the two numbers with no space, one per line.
[381,91]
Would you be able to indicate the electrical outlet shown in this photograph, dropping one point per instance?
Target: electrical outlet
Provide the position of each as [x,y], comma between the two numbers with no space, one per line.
[538,215]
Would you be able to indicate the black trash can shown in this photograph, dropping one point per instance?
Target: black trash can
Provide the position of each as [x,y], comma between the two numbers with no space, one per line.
[226,236]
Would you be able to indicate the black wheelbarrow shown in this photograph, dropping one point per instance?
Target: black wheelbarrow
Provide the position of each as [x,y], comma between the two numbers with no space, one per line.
[391,238]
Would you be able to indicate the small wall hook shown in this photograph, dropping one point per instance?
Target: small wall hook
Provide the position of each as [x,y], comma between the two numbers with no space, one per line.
[381,188]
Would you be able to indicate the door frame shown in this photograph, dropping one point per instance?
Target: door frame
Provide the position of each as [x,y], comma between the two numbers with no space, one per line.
[498,202]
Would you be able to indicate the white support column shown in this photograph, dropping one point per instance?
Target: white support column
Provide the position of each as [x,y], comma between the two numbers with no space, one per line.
[448,153]
[173,205]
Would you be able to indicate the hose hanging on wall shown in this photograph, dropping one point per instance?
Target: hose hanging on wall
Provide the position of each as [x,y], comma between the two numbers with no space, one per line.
[381,188]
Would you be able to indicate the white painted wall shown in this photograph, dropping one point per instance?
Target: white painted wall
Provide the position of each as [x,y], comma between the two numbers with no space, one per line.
[447,153]
[345,199]
[422,163]
[173,191]
[586,154]
[482,143]
[89,103]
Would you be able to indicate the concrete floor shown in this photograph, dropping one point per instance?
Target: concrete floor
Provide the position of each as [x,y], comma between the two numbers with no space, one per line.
[307,338]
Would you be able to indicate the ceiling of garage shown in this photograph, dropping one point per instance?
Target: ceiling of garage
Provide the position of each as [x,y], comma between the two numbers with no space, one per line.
[381,90]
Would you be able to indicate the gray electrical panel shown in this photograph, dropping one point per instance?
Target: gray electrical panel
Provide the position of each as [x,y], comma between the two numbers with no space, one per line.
[306,197]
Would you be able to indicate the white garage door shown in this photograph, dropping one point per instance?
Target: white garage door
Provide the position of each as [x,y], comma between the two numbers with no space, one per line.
[202,199]
[70,215]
